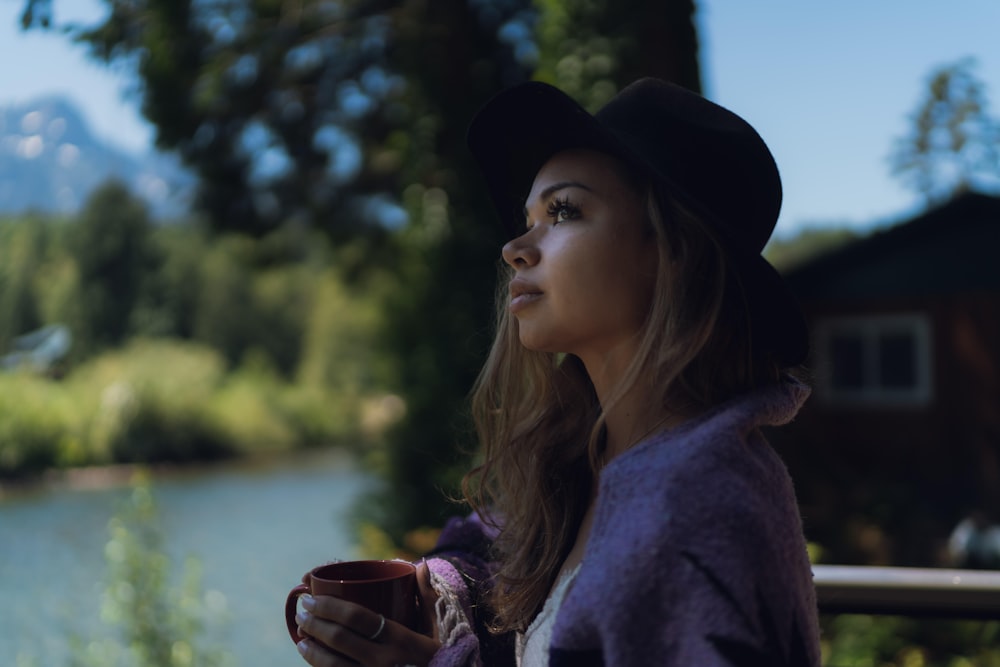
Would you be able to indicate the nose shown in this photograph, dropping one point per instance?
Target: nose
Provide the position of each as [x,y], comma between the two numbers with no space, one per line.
[520,252]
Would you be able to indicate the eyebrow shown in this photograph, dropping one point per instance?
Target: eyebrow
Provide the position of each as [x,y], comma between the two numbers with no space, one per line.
[556,187]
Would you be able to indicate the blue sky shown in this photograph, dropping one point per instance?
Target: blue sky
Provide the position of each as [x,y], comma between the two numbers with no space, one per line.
[829,85]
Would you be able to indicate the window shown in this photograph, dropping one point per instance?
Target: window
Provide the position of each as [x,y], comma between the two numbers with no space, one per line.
[878,360]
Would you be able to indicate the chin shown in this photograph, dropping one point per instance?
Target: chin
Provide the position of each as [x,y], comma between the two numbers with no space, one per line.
[541,337]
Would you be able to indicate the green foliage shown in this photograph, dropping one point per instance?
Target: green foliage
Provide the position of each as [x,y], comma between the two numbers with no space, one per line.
[40,426]
[110,244]
[21,250]
[158,623]
[39,279]
[171,401]
[592,49]
[232,345]
[336,347]
[224,317]
[453,56]
[174,401]
[168,305]
[851,640]
[283,299]
[247,408]
[260,99]
[151,399]
[953,144]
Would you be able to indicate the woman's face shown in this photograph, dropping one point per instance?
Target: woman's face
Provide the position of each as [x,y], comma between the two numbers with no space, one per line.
[586,265]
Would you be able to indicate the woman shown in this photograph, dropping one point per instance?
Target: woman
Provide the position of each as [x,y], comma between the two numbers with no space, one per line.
[629,511]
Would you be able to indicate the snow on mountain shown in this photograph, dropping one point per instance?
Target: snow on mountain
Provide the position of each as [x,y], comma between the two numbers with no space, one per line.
[50,161]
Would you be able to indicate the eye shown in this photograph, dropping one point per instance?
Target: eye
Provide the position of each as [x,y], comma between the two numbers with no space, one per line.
[561,210]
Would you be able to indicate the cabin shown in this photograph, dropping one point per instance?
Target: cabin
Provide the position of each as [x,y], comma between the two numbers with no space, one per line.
[901,438]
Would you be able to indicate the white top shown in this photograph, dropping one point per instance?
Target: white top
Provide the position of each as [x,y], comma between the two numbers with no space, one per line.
[532,647]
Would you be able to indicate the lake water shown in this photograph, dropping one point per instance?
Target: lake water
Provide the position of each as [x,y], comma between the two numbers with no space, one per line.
[255,528]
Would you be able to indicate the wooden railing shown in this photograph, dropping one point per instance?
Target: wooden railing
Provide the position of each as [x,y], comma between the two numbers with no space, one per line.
[905,591]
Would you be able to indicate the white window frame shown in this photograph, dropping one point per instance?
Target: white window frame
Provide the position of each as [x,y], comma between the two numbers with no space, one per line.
[868,328]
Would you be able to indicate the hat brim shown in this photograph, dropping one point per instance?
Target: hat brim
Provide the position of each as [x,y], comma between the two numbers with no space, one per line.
[521,128]
[517,132]
[775,314]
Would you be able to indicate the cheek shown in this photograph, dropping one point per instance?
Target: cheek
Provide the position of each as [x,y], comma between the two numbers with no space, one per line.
[630,273]
[635,296]
[648,274]
[617,292]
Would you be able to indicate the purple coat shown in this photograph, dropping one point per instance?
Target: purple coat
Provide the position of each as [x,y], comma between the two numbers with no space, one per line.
[696,557]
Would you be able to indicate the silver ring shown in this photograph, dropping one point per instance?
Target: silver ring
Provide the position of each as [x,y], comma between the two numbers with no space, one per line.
[381,627]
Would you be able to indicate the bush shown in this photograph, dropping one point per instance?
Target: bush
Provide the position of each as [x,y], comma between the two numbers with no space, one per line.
[855,640]
[166,401]
[261,412]
[244,409]
[150,405]
[39,427]
[158,623]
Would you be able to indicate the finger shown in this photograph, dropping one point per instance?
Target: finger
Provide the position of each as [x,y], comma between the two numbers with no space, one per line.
[318,655]
[350,615]
[428,600]
[396,644]
[333,641]
[347,629]
[344,627]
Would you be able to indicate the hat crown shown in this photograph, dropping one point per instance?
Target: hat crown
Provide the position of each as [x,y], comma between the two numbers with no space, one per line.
[710,158]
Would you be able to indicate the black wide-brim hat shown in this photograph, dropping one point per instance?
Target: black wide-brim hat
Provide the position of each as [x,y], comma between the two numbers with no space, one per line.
[705,156]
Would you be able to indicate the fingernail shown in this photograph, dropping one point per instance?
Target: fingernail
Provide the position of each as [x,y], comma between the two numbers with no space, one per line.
[303,647]
[308,601]
[301,618]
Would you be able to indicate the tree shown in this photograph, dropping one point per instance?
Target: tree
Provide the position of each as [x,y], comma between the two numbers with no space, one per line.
[158,621]
[21,249]
[592,49]
[953,144]
[111,246]
[257,97]
[453,55]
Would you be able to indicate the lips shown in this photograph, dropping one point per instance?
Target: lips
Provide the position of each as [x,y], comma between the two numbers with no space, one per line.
[522,294]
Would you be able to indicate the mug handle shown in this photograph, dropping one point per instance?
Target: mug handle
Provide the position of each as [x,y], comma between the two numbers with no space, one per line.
[290,608]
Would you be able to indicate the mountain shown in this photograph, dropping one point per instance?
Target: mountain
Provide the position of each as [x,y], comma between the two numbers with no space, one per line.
[50,161]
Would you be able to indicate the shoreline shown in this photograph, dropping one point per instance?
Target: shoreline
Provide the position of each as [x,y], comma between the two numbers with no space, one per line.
[103,477]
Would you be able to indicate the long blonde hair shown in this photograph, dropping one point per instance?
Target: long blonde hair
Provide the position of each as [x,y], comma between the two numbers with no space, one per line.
[540,424]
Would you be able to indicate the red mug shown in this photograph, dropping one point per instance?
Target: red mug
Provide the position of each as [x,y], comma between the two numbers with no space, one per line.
[387,587]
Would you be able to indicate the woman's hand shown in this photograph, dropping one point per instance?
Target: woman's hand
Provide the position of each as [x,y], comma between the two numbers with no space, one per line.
[340,633]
